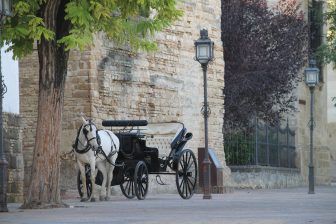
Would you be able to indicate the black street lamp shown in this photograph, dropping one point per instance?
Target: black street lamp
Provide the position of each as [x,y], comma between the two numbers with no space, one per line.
[204,54]
[311,79]
[5,10]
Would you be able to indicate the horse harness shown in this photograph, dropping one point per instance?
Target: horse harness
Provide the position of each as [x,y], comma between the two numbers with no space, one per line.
[89,146]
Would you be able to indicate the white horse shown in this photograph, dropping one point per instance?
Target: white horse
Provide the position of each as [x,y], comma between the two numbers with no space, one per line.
[99,149]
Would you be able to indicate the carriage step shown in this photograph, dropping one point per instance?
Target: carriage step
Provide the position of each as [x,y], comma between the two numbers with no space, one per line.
[159,180]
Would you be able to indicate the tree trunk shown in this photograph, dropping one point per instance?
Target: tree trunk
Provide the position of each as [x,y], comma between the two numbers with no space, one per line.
[44,190]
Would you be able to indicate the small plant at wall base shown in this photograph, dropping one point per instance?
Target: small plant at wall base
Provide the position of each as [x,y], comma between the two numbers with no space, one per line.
[264,50]
[239,148]
[58,26]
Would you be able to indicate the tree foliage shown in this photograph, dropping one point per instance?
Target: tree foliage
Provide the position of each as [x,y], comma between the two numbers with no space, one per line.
[57,26]
[264,50]
[131,21]
[326,53]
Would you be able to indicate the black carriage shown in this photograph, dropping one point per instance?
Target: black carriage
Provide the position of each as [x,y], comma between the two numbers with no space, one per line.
[136,161]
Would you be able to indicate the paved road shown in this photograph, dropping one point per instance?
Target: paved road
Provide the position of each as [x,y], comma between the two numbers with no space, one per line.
[292,206]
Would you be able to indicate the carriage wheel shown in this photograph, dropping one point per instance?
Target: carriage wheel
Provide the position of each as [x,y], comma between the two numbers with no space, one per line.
[141,180]
[88,183]
[186,174]
[127,187]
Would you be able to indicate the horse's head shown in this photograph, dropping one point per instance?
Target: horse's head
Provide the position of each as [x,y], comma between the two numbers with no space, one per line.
[89,131]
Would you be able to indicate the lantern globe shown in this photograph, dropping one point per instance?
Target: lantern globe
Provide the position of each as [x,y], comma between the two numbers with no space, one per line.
[204,48]
[312,74]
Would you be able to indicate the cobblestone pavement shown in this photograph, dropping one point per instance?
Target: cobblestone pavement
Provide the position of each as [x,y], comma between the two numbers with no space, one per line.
[292,206]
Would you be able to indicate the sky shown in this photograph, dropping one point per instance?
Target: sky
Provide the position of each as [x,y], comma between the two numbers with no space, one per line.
[10,71]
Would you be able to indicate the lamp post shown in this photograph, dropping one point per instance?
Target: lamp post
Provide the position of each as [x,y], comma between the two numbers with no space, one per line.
[204,54]
[311,79]
[5,10]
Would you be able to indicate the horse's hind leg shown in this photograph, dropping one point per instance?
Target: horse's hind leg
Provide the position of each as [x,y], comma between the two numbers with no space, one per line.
[101,166]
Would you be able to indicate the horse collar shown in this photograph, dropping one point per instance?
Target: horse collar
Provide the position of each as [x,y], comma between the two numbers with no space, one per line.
[87,148]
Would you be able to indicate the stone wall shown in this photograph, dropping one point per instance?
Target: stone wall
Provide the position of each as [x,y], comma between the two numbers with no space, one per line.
[28,82]
[332,139]
[332,147]
[13,151]
[110,82]
[261,177]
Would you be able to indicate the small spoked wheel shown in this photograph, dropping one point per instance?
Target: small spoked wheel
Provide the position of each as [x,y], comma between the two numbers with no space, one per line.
[141,180]
[127,187]
[88,183]
[186,174]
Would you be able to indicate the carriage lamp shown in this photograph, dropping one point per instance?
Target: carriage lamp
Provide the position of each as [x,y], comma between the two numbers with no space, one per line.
[311,79]
[5,10]
[204,54]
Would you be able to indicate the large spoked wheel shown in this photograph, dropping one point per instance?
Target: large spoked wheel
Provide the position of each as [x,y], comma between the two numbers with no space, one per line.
[141,180]
[127,187]
[88,183]
[186,174]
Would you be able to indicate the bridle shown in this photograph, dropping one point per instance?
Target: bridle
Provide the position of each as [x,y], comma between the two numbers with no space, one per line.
[88,146]
[86,132]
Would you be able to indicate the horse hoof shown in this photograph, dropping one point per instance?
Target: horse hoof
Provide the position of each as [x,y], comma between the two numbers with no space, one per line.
[84,200]
[107,198]
[93,199]
[101,198]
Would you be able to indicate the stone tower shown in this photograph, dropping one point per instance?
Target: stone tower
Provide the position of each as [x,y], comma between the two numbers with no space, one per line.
[111,82]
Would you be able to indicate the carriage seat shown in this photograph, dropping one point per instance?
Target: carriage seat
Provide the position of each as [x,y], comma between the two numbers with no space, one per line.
[166,143]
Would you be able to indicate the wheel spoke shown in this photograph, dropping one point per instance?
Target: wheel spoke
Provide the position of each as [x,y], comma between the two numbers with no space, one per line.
[190,165]
[185,158]
[192,183]
[129,188]
[181,165]
[127,184]
[183,187]
[182,182]
[189,158]
[190,189]
[132,185]
[143,190]
[187,187]
[142,171]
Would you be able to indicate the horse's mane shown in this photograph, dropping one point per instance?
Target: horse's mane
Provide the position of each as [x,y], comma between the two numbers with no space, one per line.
[76,141]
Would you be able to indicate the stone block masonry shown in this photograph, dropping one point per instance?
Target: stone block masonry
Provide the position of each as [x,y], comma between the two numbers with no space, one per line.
[261,177]
[12,135]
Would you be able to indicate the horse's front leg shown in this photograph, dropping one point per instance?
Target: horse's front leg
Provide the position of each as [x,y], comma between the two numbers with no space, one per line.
[102,168]
[93,180]
[110,169]
[81,168]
